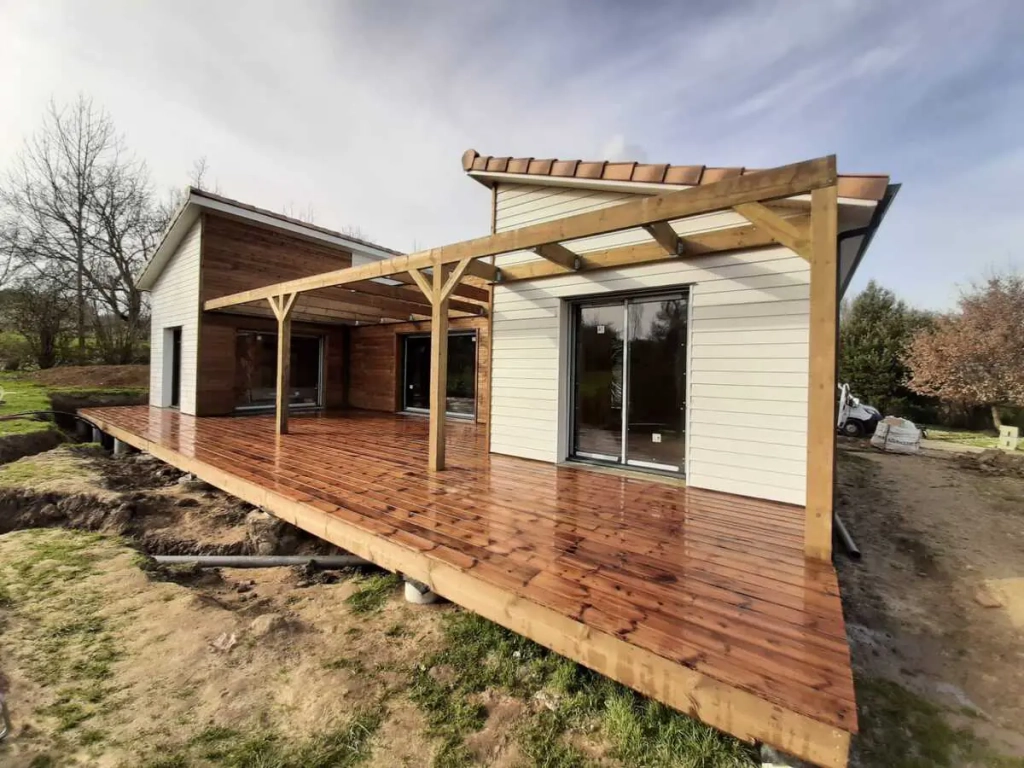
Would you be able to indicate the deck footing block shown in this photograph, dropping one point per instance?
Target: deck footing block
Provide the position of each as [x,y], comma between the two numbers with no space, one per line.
[774,758]
[418,593]
[97,435]
[122,448]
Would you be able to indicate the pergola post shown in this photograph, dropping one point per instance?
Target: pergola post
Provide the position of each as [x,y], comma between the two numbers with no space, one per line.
[282,307]
[438,370]
[439,290]
[821,391]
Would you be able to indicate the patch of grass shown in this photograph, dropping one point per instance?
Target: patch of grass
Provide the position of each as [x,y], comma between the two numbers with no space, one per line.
[480,655]
[398,629]
[373,593]
[342,747]
[71,648]
[22,394]
[899,729]
[352,665]
[978,439]
[33,471]
[542,743]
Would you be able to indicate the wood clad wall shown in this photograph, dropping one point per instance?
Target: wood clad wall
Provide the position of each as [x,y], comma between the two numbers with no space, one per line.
[240,256]
[218,361]
[375,366]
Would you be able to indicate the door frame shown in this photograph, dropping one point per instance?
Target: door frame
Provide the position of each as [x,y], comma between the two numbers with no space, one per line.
[404,357]
[173,368]
[613,298]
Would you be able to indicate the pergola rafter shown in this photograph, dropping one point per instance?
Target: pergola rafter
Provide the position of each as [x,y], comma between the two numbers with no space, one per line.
[809,230]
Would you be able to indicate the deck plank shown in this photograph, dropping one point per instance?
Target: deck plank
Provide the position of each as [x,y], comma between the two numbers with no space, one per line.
[713,582]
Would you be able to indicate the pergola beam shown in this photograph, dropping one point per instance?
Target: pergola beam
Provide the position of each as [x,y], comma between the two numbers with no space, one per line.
[702,244]
[785,181]
[782,231]
[666,237]
[465,293]
[560,255]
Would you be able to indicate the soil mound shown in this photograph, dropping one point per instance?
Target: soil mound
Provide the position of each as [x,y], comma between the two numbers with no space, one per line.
[993,462]
[86,376]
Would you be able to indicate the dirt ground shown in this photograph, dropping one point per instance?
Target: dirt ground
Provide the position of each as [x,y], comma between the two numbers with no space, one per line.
[95,376]
[936,604]
[108,661]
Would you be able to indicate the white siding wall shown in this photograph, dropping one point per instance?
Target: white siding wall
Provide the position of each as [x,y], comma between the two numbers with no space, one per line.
[175,302]
[747,404]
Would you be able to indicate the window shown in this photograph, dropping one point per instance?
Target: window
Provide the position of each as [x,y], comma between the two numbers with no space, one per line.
[461,395]
[256,370]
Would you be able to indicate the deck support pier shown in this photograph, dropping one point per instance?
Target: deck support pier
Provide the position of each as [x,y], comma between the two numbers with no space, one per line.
[282,307]
[122,448]
[418,593]
[97,435]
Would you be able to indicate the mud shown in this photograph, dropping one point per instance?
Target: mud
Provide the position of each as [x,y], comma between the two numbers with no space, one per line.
[14,447]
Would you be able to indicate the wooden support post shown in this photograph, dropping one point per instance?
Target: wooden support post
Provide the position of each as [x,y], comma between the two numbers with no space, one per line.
[439,366]
[821,391]
[282,307]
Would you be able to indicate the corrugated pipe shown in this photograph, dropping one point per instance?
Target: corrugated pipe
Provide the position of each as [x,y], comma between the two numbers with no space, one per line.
[845,538]
[262,561]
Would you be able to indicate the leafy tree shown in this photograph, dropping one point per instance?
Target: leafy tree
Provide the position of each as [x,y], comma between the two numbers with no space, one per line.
[875,333]
[975,356]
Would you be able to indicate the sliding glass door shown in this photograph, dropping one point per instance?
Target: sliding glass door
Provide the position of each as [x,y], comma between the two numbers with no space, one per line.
[461,399]
[256,370]
[629,381]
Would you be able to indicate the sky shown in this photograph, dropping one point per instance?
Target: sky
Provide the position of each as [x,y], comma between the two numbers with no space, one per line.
[359,112]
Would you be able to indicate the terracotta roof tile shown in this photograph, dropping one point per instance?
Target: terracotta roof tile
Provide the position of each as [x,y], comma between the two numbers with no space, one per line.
[618,171]
[540,167]
[646,172]
[564,167]
[862,186]
[590,170]
[684,174]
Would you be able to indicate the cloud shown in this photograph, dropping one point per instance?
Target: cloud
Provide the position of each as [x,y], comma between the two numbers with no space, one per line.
[362,110]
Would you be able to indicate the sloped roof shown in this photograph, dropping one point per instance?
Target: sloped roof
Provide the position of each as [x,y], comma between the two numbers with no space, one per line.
[860,186]
[197,200]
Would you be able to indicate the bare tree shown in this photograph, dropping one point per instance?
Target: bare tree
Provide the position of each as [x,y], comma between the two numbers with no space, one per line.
[86,218]
[50,188]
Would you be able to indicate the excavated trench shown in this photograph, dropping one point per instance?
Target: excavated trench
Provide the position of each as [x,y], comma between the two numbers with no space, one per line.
[157,510]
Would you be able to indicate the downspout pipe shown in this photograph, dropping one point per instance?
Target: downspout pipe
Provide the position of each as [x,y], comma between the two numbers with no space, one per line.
[263,561]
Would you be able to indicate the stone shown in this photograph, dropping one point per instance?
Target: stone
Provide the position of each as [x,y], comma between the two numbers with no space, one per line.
[225,642]
[268,624]
[986,599]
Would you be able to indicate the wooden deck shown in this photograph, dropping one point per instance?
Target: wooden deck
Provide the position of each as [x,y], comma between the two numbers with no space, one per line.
[702,600]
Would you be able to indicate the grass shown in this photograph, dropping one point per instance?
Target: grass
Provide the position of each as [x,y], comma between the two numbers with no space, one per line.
[479,655]
[69,646]
[22,394]
[58,464]
[902,730]
[976,439]
[342,747]
[372,593]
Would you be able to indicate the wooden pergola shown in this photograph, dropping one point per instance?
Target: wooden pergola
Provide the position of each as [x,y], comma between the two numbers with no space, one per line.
[445,277]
